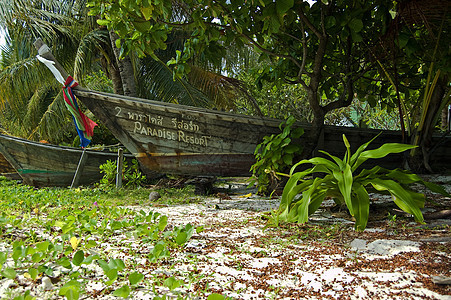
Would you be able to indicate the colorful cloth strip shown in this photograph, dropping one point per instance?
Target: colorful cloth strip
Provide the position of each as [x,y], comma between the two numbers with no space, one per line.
[85,126]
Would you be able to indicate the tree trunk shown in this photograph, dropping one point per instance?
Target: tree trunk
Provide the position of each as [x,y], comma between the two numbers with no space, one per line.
[316,136]
[420,160]
[125,67]
[109,65]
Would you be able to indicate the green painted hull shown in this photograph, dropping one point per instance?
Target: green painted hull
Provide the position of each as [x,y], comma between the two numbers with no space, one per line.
[42,164]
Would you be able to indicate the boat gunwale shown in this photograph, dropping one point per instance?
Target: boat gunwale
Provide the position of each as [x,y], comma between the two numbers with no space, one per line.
[178,108]
[58,147]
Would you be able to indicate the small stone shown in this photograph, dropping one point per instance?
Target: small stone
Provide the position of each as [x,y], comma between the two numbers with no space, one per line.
[441,280]
[47,284]
[153,196]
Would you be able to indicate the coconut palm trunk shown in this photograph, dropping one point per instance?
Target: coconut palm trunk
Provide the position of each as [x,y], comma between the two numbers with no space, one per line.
[125,67]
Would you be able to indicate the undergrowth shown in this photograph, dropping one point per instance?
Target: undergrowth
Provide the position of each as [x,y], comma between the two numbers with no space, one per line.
[75,238]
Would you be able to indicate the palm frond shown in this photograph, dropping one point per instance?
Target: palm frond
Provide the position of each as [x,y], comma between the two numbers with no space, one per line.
[87,52]
[55,122]
[156,81]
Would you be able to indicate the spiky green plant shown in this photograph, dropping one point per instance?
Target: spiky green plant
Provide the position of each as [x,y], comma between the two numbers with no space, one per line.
[347,186]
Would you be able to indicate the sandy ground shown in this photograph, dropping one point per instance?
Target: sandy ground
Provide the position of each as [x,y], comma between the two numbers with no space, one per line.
[235,255]
[323,259]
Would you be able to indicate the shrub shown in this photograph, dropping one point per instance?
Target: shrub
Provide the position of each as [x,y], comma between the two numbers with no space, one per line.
[275,154]
[131,175]
[342,183]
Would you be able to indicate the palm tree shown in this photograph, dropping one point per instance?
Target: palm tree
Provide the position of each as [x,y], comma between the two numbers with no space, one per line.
[31,96]
[32,105]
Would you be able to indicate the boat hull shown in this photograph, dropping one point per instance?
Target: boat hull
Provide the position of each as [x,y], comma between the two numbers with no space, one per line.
[42,164]
[181,140]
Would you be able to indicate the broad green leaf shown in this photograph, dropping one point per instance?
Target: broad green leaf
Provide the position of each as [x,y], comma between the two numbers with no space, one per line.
[356,25]
[104,265]
[382,151]
[366,174]
[436,188]
[340,163]
[293,168]
[307,196]
[135,278]
[288,212]
[142,26]
[287,159]
[43,246]
[72,294]
[361,206]
[117,263]
[33,273]
[409,202]
[330,22]
[316,200]
[172,283]
[291,184]
[147,12]
[386,149]
[162,223]
[88,260]
[345,181]
[70,289]
[90,244]
[402,39]
[37,257]
[78,258]
[103,22]
[317,161]
[3,257]
[64,262]
[111,274]
[9,273]
[362,148]
[122,292]
[298,132]
[404,177]
[181,238]
[356,37]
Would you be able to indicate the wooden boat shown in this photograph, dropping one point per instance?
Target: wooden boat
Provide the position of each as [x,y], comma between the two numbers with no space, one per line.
[42,164]
[185,140]
[177,139]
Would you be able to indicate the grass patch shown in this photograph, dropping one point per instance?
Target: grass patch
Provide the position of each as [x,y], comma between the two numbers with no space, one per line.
[74,238]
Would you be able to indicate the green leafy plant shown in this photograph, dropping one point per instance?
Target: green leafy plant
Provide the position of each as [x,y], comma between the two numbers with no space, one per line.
[346,186]
[131,175]
[273,155]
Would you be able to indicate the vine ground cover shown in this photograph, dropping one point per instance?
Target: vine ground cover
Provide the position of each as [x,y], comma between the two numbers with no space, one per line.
[107,244]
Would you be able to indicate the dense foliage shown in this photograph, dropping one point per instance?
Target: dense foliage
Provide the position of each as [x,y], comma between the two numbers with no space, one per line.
[322,46]
[346,183]
[275,154]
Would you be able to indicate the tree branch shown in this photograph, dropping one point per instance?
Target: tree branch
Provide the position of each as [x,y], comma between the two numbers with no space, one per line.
[309,24]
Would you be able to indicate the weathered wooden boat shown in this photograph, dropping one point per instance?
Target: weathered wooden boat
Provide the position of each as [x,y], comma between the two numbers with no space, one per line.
[185,140]
[177,139]
[41,164]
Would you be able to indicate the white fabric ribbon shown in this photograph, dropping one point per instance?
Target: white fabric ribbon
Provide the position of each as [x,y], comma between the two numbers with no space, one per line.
[51,65]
